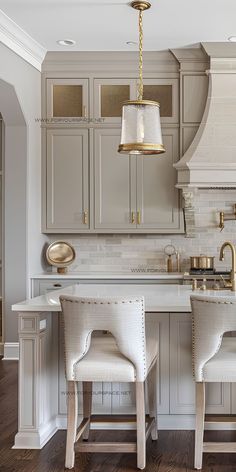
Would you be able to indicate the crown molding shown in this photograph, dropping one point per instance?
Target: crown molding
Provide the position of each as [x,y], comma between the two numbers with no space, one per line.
[16,39]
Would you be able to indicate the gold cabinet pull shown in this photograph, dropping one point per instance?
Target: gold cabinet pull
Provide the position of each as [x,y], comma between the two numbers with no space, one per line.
[84,111]
[85,217]
[133,218]
[139,217]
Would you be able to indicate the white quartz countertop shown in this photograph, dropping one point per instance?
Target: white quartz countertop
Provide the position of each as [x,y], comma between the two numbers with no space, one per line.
[158,298]
[114,276]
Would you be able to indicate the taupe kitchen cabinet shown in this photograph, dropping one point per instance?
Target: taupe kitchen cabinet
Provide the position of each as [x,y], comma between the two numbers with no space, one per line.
[67,180]
[182,385]
[135,193]
[158,205]
[110,93]
[67,98]
[115,183]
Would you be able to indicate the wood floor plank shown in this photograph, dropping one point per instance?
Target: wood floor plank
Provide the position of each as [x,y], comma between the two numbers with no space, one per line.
[173,452]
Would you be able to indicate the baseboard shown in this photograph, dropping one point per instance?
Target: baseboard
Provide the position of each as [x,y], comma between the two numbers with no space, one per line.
[35,440]
[11,352]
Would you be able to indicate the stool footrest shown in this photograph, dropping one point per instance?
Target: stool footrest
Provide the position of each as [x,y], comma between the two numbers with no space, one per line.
[219,447]
[105,447]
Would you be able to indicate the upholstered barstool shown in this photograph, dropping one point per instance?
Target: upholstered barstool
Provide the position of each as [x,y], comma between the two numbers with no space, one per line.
[127,353]
[214,359]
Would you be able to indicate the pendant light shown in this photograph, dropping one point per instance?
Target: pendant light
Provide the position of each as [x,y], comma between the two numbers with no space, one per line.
[141,126]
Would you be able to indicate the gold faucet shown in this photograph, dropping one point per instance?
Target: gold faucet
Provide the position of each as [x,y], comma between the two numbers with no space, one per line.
[233,269]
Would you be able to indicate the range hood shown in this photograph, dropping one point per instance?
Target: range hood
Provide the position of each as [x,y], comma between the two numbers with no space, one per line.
[210,161]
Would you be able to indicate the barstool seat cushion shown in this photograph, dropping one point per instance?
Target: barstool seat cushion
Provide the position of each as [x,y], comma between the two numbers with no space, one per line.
[222,367]
[104,363]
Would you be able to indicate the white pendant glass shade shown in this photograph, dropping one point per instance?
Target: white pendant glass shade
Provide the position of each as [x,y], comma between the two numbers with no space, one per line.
[141,128]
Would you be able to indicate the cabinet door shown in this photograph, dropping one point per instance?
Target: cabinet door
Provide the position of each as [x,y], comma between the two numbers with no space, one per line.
[166,92]
[123,394]
[115,183]
[182,385]
[109,94]
[67,179]
[67,98]
[158,202]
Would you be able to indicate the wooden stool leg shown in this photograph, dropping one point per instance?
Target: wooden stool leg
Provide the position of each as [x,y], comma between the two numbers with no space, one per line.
[199,429]
[72,415]
[152,399]
[87,405]
[141,425]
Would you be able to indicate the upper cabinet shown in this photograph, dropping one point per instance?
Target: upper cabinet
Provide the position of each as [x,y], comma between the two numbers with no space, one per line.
[67,181]
[87,185]
[115,183]
[158,206]
[164,91]
[67,98]
[109,94]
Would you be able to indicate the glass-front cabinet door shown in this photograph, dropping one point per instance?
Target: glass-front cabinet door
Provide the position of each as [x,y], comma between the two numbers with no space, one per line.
[67,99]
[109,94]
[164,91]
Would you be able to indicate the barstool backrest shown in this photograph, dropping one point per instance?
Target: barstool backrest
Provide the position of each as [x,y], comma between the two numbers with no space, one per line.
[211,318]
[124,318]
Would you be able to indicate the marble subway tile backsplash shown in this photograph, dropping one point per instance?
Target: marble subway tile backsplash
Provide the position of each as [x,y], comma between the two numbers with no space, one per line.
[125,253]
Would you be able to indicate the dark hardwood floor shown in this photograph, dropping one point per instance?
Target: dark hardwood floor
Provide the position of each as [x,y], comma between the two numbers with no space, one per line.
[172,452]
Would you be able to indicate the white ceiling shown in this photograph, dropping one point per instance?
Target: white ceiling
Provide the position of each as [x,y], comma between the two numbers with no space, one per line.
[107,25]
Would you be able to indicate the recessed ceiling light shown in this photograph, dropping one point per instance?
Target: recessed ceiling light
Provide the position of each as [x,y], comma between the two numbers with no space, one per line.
[131,43]
[66,42]
[232,39]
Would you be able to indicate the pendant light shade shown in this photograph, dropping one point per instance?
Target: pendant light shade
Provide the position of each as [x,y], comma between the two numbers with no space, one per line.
[141,128]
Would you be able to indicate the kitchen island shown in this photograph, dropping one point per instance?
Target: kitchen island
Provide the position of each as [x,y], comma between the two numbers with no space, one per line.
[42,387]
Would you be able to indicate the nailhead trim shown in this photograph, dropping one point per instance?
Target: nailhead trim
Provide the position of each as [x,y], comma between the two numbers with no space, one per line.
[193,330]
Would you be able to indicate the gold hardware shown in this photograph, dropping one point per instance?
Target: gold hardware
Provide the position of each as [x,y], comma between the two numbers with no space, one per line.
[147,148]
[84,111]
[233,269]
[139,217]
[222,221]
[141,102]
[133,218]
[85,217]
[140,5]
[226,217]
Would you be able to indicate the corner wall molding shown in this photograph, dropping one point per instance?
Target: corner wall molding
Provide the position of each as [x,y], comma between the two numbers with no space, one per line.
[16,39]
[11,352]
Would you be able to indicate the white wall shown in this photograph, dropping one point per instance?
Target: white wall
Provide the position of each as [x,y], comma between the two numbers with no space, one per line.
[23,239]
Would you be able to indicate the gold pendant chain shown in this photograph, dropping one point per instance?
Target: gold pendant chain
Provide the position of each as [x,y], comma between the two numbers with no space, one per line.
[140,87]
